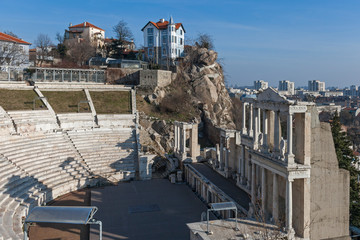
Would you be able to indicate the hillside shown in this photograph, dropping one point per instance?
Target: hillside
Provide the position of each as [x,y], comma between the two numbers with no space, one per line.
[198,94]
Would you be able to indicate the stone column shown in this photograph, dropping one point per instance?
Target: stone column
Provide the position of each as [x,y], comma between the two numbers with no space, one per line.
[251,131]
[265,131]
[290,155]
[175,138]
[263,191]
[253,185]
[259,119]
[183,143]
[249,171]
[227,154]
[244,130]
[243,178]
[277,132]
[275,209]
[256,127]
[288,207]
[217,156]
[221,164]
[194,150]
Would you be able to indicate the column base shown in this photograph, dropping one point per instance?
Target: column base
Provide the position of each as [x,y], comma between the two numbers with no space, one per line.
[290,159]
[291,234]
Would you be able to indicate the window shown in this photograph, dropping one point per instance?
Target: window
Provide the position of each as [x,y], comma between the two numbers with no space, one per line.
[172,39]
[164,39]
[164,51]
[150,31]
[175,39]
[173,29]
[180,32]
[181,41]
[150,51]
[150,41]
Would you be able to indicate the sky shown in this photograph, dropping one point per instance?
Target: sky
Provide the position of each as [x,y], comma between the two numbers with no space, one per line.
[270,40]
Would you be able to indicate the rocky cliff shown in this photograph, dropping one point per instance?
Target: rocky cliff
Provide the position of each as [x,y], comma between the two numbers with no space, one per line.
[198,94]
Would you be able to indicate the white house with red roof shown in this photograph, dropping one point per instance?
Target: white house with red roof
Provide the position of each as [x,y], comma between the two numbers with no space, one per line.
[85,32]
[13,51]
[163,40]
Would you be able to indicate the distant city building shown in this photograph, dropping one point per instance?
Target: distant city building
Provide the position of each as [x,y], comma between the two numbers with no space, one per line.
[287,86]
[354,91]
[163,40]
[85,32]
[260,84]
[13,51]
[316,86]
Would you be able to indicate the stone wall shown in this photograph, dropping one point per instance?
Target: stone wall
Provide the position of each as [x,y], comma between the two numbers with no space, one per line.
[122,76]
[329,187]
[155,78]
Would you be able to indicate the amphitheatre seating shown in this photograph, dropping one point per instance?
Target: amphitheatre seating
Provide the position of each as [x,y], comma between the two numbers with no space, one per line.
[33,121]
[108,152]
[6,125]
[71,121]
[35,169]
[116,120]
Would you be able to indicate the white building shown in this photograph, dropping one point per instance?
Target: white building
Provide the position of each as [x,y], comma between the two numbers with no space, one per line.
[287,86]
[163,40]
[260,84]
[354,91]
[85,31]
[316,86]
[14,52]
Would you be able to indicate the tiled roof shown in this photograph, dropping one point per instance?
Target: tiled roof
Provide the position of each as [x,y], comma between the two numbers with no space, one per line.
[86,24]
[163,25]
[8,38]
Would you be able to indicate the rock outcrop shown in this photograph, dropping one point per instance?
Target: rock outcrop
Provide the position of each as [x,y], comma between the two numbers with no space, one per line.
[200,86]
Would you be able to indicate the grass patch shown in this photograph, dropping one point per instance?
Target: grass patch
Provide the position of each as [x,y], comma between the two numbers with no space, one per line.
[19,100]
[112,102]
[67,102]
[155,111]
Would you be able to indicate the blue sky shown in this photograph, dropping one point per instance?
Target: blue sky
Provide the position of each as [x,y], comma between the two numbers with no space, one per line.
[256,39]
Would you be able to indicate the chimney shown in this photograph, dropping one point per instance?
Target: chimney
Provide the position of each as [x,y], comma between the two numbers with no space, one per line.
[70,25]
[162,20]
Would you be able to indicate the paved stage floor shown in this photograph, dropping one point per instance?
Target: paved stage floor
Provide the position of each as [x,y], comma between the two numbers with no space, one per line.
[226,185]
[154,209]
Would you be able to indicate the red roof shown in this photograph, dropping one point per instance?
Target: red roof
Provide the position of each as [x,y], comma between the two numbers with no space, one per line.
[8,38]
[163,25]
[86,24]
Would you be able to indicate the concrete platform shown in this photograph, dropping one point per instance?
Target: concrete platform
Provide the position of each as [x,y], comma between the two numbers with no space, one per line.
[154,209]
[226,185]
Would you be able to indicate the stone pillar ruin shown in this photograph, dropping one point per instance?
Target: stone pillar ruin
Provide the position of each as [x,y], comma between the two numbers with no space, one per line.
[180,132]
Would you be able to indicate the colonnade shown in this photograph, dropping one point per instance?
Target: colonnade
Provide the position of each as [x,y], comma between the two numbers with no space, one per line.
[258,123]
[181,135]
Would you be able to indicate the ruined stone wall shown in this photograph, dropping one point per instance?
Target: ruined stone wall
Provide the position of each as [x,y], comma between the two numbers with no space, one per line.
[155,78]
[122,76]
[329,186]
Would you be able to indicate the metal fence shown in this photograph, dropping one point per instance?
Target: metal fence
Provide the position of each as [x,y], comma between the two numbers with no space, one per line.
[10,73]
[67,75]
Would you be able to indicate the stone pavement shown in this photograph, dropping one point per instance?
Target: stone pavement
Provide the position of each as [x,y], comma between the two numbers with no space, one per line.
[154,209]
[226,185]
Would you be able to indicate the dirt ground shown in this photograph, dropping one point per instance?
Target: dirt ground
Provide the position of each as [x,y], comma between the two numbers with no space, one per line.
[64,231]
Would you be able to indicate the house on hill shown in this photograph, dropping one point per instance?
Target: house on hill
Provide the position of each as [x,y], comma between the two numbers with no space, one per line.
[163,41]
[85,32]
[13,51]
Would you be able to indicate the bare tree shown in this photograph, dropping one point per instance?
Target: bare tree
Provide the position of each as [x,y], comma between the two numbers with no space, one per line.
[124,36]
[205,40]
[12,53]
[122,31]
[8,32]
[80,51]
[59,38]
[43,48]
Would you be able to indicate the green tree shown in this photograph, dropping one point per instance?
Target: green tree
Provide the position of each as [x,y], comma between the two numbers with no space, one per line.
[347,161]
